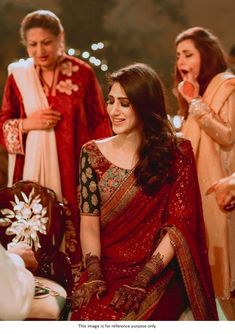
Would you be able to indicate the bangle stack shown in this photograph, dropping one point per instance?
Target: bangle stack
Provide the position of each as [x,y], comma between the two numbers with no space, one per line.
[195,106]
[195,100]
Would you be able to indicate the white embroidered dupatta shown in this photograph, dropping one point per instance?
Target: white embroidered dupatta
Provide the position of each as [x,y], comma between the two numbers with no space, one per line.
[41,157]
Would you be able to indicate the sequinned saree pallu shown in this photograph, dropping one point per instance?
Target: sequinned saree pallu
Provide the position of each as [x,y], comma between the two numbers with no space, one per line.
[132,225]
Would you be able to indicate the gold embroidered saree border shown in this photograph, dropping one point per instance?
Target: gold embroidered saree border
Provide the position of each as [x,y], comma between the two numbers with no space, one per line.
[190,274]
[120,198]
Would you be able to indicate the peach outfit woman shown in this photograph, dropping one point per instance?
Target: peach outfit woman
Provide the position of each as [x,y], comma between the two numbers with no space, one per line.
[211,130]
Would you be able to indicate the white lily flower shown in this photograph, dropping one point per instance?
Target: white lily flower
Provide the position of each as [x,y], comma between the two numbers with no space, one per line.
[26,219]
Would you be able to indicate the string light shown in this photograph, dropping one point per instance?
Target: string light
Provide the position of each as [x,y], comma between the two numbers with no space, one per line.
[102,63]
[71,52]
[94,47]
[176,121]
[104,67]
[100,45]
[85,54]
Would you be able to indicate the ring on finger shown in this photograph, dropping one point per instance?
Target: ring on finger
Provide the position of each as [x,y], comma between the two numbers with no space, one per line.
[48,123]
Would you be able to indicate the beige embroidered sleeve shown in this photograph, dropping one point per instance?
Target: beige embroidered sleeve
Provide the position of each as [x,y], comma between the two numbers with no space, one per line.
[13,136]
[220,127]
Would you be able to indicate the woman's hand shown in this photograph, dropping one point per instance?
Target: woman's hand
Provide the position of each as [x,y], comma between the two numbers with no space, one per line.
[223,192]
[128,298]
[189,87]
[26,253]
[84,293]
[95,284]
[41,120]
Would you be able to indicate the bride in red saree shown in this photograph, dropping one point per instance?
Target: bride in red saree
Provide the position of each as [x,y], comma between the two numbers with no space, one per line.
[142,230]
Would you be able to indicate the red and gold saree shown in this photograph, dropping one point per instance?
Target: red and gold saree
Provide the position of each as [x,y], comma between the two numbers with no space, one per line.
[132,225]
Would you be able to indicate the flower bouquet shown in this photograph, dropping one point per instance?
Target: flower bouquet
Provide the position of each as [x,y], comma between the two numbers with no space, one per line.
[26,219]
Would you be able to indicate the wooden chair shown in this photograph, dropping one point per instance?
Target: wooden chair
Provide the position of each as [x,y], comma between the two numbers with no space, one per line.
[54,282]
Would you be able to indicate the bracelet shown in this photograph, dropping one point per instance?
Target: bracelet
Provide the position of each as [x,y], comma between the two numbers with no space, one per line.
[198,107]
[195,99]
[195,106]
[156,264]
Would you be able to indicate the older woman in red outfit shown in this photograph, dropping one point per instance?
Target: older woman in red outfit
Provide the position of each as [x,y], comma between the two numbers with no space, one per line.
[52,104]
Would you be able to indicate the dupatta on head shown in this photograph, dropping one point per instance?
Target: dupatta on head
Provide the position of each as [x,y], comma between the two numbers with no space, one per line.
[41,158]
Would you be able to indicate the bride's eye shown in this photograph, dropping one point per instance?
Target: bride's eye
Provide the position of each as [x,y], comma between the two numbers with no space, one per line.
[125,104]
[110,100]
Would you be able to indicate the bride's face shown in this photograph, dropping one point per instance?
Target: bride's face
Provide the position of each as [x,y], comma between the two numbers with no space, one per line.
[122,115]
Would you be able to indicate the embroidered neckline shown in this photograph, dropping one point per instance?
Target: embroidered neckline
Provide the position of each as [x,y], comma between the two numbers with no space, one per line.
[129,170]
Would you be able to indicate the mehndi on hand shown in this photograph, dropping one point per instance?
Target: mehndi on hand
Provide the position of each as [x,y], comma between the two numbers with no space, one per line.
[130,297]
[95,284]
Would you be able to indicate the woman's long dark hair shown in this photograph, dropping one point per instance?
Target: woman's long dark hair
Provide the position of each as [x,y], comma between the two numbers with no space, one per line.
[213,60]
[146,95]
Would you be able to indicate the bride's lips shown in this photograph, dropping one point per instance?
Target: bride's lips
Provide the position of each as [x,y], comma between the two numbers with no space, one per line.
[117,121]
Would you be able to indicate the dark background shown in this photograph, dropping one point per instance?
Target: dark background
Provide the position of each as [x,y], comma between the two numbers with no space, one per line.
[131,30]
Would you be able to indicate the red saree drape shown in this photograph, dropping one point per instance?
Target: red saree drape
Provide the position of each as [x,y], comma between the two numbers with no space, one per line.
[132,225]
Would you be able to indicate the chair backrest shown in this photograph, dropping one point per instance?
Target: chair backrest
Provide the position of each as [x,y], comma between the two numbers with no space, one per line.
[27,204]
[55,212]
[53,264]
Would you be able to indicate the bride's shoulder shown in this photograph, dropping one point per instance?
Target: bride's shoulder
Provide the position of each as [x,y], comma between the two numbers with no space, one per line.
[105,142]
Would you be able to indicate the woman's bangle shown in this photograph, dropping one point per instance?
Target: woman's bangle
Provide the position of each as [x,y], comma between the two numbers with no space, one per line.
[195,106]
[195,99]
[198,107]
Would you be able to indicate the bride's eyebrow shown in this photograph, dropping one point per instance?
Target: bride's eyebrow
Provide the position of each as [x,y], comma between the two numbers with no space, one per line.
[119,97]
[123,98]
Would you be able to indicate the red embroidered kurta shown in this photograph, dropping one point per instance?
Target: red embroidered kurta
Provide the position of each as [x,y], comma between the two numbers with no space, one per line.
[78,97]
